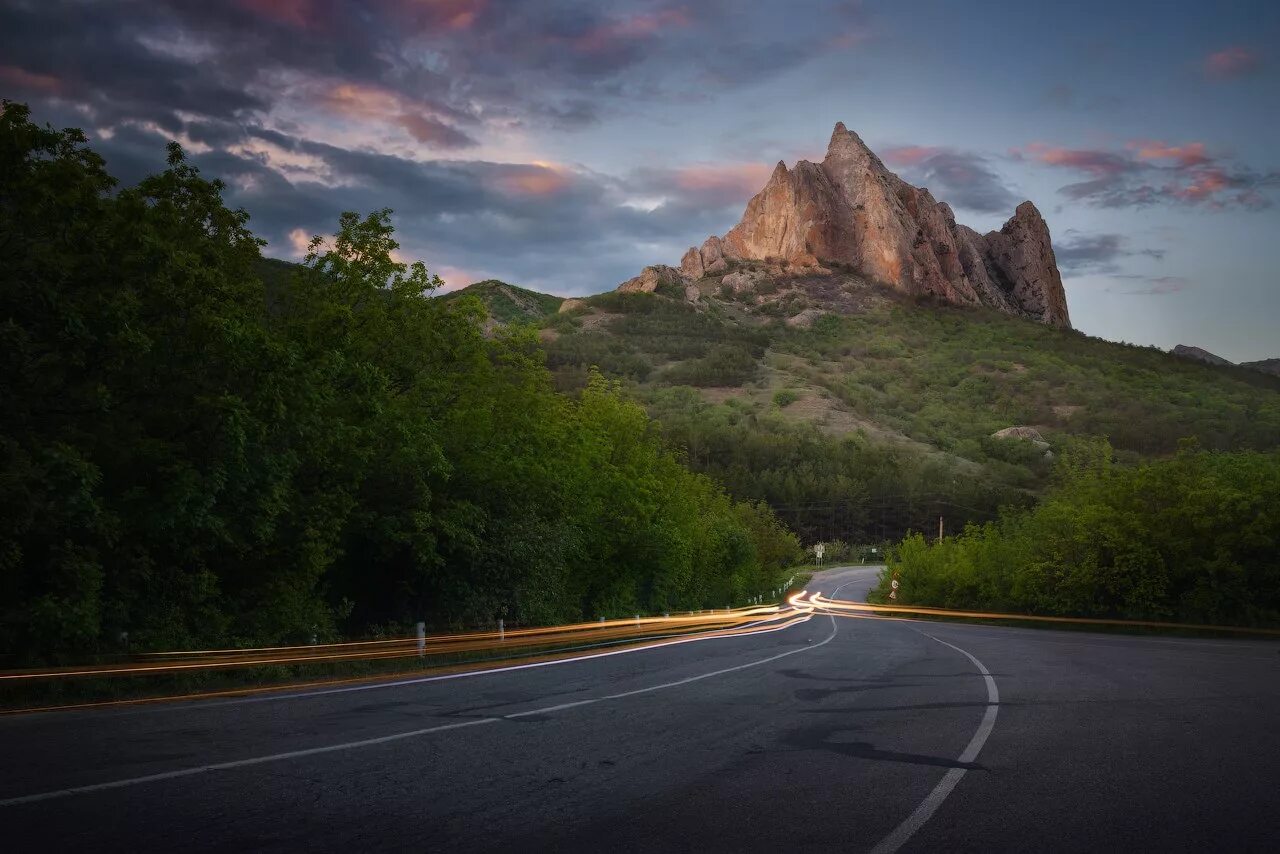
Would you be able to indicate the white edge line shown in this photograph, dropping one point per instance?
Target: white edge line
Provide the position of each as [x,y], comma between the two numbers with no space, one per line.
[369,742]
[903,832]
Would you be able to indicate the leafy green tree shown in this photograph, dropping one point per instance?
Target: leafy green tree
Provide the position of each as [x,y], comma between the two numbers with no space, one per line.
[198,447]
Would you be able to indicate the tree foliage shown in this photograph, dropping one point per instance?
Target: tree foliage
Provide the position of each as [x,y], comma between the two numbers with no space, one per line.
[194,456]
[1192,538]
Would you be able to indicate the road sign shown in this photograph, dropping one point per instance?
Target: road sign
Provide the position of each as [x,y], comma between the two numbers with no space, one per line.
[819,550]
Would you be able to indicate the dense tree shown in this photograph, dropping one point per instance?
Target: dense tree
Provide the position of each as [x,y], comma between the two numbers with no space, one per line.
[1191,538]
[193,456]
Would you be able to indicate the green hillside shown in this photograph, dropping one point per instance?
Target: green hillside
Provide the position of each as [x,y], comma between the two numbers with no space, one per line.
[507,303]
[866,422]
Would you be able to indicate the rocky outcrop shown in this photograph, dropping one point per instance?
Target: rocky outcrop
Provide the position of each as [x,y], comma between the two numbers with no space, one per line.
[1027,434]
[1199,355]
[654,278]
[851,210]
[1267,366]
[707,260]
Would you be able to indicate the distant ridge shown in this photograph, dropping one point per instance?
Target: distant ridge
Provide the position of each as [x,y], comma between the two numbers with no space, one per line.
[1266,366]
[509,303]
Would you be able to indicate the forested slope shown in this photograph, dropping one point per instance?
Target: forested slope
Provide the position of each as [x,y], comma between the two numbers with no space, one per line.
[859,413]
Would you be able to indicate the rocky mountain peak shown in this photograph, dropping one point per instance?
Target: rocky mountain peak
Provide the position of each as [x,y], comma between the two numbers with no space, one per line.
[851,210]
[847,145]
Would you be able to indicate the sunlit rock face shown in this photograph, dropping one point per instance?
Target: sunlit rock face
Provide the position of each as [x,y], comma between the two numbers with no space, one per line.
[851,210]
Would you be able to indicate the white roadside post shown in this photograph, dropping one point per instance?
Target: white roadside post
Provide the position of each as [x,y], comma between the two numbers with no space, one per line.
[502,630]
[422,639]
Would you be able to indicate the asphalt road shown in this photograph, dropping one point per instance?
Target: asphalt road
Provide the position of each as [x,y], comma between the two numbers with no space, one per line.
[835,735]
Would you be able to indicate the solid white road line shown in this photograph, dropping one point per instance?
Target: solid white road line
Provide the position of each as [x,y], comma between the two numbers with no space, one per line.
[903,832]
[369,742]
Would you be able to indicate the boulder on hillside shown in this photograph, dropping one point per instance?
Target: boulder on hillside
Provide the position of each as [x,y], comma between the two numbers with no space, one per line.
[1029,434]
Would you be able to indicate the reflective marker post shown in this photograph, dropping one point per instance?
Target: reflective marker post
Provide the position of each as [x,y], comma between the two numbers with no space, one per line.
[422,639]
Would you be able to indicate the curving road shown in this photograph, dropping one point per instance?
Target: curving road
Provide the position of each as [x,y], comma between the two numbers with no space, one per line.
[835,735]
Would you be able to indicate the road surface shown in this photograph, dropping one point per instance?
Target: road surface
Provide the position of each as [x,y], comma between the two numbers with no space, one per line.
[835,735]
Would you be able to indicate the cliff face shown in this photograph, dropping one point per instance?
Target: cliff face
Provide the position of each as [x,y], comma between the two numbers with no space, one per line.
[852,210]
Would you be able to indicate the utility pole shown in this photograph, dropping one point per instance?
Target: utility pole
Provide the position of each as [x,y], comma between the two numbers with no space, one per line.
[939,529]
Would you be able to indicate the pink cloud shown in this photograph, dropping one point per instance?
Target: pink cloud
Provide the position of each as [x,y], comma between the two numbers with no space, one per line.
[1151,171]
[373,103]
[1189,155]
[909,155]
[456,278]
[534,179]
[1100,164]
[29,81]
[1235,61]
[735,180]
[299,242]
[456,14]
[608,35]
[1204,184]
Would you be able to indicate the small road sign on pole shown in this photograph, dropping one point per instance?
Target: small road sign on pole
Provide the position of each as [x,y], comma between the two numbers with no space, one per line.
[818,551]
[893,594]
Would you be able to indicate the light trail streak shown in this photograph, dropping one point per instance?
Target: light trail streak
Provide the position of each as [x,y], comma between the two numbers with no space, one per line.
[403,648]
[825,605]
[698,616]
[744,621]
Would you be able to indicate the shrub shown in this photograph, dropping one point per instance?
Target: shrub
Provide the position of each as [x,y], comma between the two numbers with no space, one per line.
[785,397]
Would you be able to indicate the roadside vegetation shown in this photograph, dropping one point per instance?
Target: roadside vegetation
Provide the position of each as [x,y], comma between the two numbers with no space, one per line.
[1192,538]
[191,456]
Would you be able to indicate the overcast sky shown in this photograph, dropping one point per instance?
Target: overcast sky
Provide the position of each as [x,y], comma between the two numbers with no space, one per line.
[563,146]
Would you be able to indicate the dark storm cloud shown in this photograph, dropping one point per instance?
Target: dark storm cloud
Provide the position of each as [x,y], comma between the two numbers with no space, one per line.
[521,221]
[1078,253]
[91,56]
[306,108]
[960,178]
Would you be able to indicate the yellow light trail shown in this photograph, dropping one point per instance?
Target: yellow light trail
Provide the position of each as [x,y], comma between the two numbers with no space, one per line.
[612,630]
[822,603]
[773,619]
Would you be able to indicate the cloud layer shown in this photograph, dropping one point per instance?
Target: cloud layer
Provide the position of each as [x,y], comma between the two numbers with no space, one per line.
[1151,172]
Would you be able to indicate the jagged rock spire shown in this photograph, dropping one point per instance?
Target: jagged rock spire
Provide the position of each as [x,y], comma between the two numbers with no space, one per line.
[851,209]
